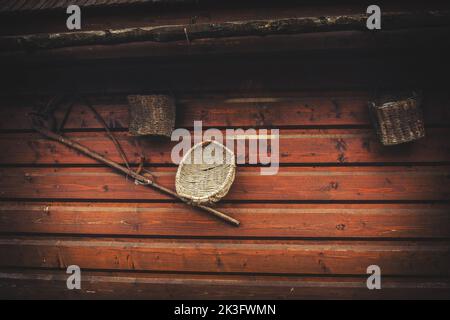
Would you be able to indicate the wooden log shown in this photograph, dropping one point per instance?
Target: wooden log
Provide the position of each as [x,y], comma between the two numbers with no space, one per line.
[290,184]
[207,12]
[411,39]
[189,32]
[250,256]
[337,146]
[258,220]
[15,284]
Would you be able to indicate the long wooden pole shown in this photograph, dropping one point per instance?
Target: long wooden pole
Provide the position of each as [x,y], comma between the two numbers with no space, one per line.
[268,27]
[142,179]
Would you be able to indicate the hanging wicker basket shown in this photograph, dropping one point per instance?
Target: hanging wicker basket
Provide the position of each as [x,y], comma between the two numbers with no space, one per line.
[206,173]
[398,121]
[152,115]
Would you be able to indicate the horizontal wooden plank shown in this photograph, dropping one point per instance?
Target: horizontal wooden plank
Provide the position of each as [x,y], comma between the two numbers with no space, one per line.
[295,146]
[257,220]
[231,256]
[99,285]
[305,183]
[242,110]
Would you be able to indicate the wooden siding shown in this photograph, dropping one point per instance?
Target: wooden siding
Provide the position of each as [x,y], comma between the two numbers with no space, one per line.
[339,203]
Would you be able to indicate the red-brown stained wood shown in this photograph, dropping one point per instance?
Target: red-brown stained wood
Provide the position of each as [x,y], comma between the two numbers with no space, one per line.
[177,241]
[116,285]
[257,220]
[278,257]
[305,183]
[295,146]
[231,110]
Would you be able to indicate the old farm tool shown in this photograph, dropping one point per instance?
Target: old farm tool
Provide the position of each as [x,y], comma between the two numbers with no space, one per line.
[139,178]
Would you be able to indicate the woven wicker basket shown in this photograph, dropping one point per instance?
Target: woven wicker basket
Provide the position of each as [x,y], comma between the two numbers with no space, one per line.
[151,115]
[398,121]
[202,181]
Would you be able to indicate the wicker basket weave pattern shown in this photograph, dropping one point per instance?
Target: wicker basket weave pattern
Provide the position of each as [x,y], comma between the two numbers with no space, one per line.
[398,121]
[206,182]
[151,115]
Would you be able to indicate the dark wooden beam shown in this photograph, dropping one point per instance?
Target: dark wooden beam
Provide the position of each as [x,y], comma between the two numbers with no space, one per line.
[189,32]
[43,284]
[416,40]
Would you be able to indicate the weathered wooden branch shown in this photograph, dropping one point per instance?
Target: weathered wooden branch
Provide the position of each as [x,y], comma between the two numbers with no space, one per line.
[108,131]
[140,178]
[392,20]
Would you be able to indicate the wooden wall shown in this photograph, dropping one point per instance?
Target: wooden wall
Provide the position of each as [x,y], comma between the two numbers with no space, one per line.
[340,201]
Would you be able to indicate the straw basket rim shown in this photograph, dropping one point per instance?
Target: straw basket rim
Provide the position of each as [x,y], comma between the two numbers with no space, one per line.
[392,103]
[220,190]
